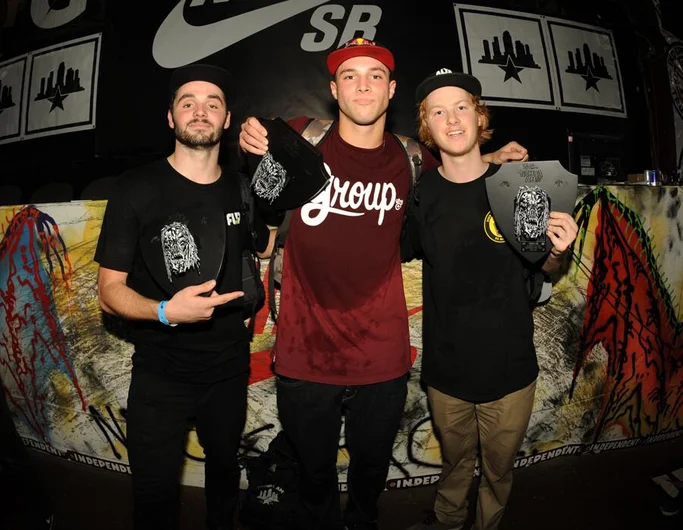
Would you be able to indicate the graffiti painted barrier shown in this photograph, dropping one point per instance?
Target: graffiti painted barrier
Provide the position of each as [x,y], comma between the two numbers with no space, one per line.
[609,342]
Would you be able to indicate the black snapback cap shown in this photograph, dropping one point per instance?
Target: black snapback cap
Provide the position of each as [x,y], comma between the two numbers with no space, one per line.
[199,72]
[446,77]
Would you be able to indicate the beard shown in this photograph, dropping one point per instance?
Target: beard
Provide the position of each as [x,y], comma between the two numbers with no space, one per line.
[198,140]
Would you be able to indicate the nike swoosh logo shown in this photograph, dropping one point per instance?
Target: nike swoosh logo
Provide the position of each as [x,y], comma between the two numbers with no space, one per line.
[178,43]
[45,17]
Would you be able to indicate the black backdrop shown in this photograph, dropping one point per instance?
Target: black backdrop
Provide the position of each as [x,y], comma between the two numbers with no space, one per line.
[274,76]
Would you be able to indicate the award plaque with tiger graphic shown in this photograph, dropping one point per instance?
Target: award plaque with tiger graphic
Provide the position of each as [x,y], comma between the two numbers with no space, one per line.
[291,173]
[185,247]
[522,195]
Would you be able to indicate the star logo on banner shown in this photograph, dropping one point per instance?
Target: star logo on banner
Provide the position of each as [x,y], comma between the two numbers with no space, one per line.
[57,100]
[509,54]
[56,85]
[589,65]
[591,80]
[511,70]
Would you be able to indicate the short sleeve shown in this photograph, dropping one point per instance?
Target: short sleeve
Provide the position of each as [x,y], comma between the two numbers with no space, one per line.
[119,234]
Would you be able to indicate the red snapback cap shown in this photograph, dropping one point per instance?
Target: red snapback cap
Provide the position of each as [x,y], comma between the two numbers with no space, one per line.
[359,47]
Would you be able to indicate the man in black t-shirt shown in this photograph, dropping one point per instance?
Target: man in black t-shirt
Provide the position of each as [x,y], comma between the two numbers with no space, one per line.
[478,358]
[191,358]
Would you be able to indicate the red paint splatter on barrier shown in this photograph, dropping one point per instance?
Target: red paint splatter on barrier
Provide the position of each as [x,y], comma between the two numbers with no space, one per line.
[35,260]
[629,311]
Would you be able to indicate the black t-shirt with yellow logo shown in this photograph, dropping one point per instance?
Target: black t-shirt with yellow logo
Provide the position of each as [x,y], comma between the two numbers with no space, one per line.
[478,326]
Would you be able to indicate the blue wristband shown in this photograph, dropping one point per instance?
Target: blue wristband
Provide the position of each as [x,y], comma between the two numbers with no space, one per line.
[161,313]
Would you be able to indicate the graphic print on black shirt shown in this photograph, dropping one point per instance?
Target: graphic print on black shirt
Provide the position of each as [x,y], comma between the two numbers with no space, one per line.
[194,352]
[185,247]
[478,326]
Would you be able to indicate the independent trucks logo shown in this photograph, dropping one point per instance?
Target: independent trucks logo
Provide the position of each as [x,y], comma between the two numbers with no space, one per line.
[180,40]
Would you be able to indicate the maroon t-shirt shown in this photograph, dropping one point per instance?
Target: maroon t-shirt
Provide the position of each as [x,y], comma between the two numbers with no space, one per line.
[342,317]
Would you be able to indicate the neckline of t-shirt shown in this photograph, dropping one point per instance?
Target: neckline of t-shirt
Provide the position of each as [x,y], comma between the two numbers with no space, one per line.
[363,150]
[490,170]
[187,182]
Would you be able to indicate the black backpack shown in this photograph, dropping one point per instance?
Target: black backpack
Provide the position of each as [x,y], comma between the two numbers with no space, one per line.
[272,496]
[315,131]
[252,285]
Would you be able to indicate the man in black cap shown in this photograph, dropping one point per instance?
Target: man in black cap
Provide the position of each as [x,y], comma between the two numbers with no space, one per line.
[478,357]
[343,344]
[191,358]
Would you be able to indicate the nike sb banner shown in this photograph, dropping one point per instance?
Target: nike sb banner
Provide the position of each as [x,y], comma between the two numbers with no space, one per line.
[188,34]
[275,51]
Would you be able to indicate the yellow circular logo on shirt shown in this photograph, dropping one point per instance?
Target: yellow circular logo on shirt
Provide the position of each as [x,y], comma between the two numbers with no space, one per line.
[491,229]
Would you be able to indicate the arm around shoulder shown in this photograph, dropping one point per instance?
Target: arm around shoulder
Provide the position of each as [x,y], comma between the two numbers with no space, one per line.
[510,152]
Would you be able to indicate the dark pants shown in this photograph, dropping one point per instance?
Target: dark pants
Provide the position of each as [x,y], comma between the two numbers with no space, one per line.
[311,415]
[159,414]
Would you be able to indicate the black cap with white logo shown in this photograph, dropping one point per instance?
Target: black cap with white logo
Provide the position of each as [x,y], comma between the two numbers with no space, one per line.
[446,77]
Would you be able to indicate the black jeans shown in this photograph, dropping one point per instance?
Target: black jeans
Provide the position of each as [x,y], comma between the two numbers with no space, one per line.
[160,412]
[311,415]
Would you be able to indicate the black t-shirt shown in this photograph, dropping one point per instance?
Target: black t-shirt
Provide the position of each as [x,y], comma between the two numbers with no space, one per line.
[478,326]
[200,352]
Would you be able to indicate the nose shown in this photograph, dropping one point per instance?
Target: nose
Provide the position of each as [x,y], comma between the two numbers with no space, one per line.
[363,85]
[452,117]
[199,110]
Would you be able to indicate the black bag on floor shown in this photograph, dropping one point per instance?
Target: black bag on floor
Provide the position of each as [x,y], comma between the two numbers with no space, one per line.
[273,491]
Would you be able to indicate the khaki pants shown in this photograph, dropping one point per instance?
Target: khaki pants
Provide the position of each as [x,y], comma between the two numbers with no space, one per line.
[496,428]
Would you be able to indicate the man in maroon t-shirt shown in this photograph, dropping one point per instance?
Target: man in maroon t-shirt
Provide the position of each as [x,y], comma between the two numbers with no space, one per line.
[343,344]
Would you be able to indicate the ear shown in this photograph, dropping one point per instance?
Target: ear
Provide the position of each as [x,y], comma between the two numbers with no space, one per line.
[171,124]
[227,120]
[333,89]
[392,88]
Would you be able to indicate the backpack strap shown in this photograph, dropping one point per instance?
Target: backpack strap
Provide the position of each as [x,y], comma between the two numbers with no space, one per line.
[277,262]
[315,130]
[254,264]
[413,153]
